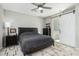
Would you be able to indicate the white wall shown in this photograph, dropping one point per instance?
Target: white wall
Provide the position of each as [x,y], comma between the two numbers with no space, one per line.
[45,21]
[22,20]
[1,31]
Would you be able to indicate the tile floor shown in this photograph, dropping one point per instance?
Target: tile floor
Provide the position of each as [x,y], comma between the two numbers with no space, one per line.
[57,50]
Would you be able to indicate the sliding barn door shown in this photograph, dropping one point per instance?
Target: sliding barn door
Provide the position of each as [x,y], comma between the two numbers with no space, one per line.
[1,30]
[1,33]
[67,29]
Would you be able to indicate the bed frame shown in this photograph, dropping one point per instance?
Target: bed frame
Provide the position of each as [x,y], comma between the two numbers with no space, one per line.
[22,30]
[25,29]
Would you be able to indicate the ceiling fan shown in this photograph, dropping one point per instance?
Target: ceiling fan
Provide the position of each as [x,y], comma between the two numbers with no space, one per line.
[40,7]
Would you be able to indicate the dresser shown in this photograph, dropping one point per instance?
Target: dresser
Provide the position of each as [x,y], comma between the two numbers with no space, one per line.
[47,31]
[11,40]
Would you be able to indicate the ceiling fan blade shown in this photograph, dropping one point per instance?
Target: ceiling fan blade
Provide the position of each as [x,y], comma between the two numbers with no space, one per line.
[46,7]
[35,4]
[34,9]
[43,3]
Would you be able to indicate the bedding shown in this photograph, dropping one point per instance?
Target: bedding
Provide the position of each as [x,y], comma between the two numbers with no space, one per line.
[31,42]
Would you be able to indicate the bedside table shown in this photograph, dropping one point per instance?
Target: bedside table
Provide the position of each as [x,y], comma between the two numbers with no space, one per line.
[11,40]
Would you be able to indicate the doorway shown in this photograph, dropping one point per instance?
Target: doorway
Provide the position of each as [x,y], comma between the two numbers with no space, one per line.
[55,30]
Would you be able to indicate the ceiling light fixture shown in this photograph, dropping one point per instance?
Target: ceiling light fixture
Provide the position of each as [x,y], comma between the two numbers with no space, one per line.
[40,8]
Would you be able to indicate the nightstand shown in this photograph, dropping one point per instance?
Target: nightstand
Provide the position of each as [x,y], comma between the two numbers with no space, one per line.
[11,40]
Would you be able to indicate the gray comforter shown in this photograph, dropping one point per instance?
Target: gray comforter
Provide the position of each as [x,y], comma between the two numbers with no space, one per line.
[31,42]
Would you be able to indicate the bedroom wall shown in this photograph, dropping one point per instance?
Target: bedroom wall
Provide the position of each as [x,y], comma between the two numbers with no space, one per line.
[22,20]
[1,23]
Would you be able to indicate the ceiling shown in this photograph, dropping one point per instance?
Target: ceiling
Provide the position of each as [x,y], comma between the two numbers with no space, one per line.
[26,8]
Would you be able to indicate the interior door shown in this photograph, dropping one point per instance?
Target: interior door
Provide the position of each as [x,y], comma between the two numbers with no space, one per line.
[1,30]
[67,29]
[1,33]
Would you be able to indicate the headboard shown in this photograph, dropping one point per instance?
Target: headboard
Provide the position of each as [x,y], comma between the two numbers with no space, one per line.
[24,29]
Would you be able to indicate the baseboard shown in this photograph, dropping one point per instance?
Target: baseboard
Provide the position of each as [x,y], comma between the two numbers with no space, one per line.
[66,45]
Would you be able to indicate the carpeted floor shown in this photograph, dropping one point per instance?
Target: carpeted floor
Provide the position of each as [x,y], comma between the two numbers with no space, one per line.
[57,50]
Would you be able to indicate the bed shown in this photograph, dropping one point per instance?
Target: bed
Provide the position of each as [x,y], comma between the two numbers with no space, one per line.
[31,41]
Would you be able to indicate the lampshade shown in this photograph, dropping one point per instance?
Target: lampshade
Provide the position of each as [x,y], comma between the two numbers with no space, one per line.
[7,24]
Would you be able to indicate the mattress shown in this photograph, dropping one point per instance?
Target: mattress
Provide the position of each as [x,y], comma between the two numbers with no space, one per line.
[31,42]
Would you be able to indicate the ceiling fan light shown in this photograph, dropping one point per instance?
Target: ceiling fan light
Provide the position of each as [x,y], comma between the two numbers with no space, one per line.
[40,8]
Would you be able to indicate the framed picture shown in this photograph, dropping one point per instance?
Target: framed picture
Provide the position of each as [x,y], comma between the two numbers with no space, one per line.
[12,30]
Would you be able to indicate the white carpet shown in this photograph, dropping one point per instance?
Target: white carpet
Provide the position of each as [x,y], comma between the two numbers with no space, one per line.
[57,50]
